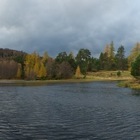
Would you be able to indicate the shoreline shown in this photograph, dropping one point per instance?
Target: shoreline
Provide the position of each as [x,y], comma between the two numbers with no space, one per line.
[132,84]
[91,77]
[44,82]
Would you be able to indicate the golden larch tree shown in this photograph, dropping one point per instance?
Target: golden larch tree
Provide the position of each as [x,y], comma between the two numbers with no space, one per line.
[42,71]
[78,72]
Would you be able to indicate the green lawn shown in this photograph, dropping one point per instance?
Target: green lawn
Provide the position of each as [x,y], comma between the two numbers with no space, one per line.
[110,75]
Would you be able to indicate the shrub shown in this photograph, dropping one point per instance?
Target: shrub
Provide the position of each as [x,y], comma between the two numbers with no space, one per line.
[118,73]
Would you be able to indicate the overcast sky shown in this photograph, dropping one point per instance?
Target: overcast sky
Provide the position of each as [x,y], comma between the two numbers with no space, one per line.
[68,25]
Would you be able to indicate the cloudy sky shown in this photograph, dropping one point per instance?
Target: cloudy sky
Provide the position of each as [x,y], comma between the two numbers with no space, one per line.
[68,25]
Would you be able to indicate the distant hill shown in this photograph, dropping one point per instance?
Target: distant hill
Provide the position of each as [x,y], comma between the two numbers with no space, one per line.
[11,61]
[10,54]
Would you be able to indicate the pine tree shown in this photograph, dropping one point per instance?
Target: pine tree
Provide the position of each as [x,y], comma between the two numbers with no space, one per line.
[121,61]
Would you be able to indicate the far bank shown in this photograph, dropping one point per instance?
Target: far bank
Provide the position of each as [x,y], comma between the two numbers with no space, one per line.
[92,76]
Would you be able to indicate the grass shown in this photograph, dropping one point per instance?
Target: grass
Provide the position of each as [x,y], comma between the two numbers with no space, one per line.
[41,82]
[109,75]
[91,76]
[133,84]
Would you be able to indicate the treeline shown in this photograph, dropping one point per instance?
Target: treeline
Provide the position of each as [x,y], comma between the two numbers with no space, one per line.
[20,65]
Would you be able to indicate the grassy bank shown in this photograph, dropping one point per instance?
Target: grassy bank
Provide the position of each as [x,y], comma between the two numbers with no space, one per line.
[92,76]
[133,84]
[41,82]
[109,75]
[126,80]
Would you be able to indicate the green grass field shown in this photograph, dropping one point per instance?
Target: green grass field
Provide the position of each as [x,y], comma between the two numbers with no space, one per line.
[109,75]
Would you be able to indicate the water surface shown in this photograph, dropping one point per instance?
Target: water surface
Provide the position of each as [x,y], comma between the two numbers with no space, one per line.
[74,111]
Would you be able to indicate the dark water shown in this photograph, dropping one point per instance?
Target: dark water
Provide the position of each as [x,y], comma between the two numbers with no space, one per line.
[79,111]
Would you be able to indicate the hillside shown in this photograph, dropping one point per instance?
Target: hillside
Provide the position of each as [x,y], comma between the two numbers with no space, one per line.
[10,54]
[10,62]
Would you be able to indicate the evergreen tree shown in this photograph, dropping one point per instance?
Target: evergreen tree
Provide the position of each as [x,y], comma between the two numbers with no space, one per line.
[71,61]
[83,58]
[108,58]
[61,57]
[135,68]
[121,61]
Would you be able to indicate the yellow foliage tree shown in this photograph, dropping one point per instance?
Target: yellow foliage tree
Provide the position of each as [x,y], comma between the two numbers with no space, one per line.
[28,65]
[36,69]
[34,66]
[78,72]
[135,52]
[45,57]
[107,50]
[42,71]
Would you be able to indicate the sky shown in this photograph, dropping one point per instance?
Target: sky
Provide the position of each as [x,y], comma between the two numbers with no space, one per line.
[68,25]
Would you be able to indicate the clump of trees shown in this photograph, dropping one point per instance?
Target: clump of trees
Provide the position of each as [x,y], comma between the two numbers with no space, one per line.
[111,61]
[35,66]
[135,70]
[8,69]
[134,61]
[20,65]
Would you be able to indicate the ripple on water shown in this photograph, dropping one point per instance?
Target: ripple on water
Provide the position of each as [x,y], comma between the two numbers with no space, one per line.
[82,111]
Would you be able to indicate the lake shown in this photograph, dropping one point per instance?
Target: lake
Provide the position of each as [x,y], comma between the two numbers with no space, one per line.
[72,111]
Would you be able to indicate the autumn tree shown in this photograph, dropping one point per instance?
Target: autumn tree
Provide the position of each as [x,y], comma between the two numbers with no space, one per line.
[107,58]
[78,72]
[8,69]
[135,52]
[34,67]
[51,68]
[45,58]
[64,71]
[112,50]
[107,50]
[42,73]
[29,66]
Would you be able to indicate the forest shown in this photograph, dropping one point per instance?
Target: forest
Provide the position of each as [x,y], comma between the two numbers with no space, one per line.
[21,65]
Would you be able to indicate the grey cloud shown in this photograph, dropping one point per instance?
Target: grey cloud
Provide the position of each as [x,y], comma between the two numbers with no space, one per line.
[66,25]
